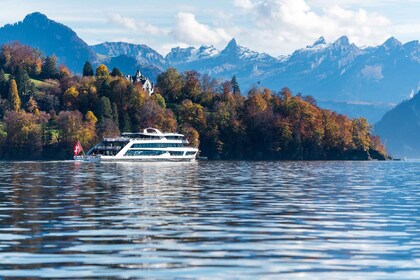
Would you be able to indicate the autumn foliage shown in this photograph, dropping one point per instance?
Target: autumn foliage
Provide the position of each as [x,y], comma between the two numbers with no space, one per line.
[44,121]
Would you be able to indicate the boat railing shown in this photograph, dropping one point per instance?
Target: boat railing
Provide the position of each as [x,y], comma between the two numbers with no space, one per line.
[144,139]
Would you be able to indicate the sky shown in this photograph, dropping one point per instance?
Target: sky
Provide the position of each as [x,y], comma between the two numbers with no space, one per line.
[276,27]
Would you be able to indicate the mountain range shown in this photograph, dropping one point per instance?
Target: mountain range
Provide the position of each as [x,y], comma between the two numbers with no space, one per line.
[340,75]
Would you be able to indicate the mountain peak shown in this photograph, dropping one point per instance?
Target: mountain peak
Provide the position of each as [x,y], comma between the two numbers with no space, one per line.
[342,41]
[232,44]
[391,43]
[36,16]
[320,41]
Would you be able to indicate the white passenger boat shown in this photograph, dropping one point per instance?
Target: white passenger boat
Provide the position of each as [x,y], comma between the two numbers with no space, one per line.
[149,145]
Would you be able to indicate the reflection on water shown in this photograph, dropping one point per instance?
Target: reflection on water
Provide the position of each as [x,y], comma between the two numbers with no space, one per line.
[210,219]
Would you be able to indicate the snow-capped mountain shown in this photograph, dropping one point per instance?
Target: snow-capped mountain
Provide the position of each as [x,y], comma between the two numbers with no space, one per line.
[185,55]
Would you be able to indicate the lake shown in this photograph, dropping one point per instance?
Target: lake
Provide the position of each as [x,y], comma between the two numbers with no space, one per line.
[210,220]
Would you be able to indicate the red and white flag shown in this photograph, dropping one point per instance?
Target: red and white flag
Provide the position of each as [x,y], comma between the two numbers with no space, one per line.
[78,148]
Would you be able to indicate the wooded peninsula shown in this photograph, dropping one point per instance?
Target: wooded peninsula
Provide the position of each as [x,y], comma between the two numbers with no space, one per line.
[44,110]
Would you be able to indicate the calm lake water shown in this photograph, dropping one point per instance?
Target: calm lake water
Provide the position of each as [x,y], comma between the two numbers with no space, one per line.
[212,220]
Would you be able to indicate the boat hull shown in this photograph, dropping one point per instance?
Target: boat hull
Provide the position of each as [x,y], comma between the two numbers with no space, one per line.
[146,159]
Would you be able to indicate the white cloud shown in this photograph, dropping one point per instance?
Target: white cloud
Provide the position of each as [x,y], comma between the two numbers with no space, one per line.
[189,31]
[135,25]
[286,25]
[245,4]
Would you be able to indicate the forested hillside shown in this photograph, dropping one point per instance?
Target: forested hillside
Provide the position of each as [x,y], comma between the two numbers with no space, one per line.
[44,110]
[400,129]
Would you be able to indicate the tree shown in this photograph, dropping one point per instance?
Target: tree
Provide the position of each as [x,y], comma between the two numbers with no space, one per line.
[107,128]
[64,72]
[87,70]
[102,71]
[104,109]
[159,100]
[191,85]
[192,135]
[3,85]
[361,134]
[49,68]
[235,86]
[23,81]
[70,98]
[14,99]
[23,134]
[115,118]
[70,126]
[32,106]
[170,84]
[116,72]
[192,114]
[14,54]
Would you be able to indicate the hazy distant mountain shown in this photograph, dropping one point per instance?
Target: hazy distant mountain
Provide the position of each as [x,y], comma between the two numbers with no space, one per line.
[129,65]
[50,37]
[399,129]
[142,53]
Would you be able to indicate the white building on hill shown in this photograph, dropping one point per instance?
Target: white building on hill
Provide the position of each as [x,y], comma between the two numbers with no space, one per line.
[139,78]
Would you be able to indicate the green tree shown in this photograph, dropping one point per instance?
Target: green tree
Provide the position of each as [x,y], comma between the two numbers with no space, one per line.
[14,99]
[87,70]
[192,114]
[159,100]
[104,109]
[116,72]
[49,68]
[3,85]
[170,85]
[115,118]
[23,81]
[235,86]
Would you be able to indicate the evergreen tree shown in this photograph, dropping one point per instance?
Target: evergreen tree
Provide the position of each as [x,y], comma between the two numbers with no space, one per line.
[104,110]
[126,123]
[116,72]
[49,68]
[115,114]
[87,70]
[14,99]
[3,84]
[235,86]
[22,80]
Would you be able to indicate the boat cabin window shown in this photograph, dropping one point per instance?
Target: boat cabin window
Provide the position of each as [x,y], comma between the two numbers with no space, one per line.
[108,148]
[176,153]
[157,145]
[175,137]
[144,153]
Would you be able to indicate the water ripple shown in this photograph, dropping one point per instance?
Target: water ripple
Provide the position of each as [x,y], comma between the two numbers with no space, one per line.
[210,220]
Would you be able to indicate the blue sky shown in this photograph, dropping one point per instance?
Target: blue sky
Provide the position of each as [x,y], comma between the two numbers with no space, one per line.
[276,27]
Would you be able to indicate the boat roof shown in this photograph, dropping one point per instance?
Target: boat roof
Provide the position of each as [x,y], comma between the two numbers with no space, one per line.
[151,132]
